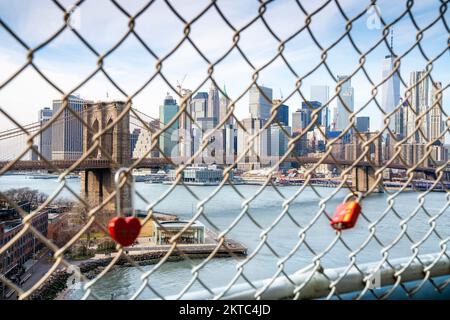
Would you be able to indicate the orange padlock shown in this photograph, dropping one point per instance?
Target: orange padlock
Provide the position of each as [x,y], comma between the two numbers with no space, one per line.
[346,213]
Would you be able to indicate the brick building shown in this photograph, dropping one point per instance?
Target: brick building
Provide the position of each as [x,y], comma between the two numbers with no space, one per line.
[57,224]
[23,249]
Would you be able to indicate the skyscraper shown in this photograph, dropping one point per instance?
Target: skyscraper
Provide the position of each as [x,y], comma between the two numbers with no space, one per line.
[259,146]
[400,115]
[200,105]
[259,103]
[168,140]
[45,139]
[301,145]
[206,126]
[67,131]
[185,121]
[185,125]
[213,103]
[417,105]
[224,104]
[282,113]
[321,93]
[33,154]
[299,119]
[363,124]
[309,107]
[345,102]
[436,125]
[278,141]
[230,137]
[390,90]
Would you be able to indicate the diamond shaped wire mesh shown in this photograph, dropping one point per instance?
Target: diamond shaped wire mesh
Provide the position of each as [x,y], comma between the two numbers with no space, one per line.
[293,247]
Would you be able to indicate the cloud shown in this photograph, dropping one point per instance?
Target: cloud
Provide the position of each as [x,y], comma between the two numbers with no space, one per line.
[67,61]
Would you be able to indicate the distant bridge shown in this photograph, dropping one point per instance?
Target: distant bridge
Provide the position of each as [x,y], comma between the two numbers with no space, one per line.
[89,164]
[97,172]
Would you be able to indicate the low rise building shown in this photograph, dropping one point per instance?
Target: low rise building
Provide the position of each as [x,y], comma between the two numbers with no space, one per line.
[163,231]
[201,175]
[57,223]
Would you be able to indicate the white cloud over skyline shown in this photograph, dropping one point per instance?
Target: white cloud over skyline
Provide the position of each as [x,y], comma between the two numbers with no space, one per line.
[67,61]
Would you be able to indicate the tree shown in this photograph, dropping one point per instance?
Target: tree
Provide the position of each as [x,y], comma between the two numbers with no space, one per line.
[18,195]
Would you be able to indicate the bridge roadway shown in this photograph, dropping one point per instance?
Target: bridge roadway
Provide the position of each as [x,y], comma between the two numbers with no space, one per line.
[31,165]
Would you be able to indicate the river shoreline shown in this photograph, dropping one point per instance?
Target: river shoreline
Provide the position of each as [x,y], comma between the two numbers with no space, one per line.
[149,255]
[92,267]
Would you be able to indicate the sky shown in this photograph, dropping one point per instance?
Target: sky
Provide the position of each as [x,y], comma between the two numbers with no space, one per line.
[67,61]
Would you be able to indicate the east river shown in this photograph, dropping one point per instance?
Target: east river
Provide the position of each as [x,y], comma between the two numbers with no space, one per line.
[226,205]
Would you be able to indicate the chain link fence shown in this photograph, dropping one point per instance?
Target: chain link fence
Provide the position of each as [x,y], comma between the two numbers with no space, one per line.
[263,241]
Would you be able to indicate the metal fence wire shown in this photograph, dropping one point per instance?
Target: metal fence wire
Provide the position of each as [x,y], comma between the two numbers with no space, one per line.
[399,240]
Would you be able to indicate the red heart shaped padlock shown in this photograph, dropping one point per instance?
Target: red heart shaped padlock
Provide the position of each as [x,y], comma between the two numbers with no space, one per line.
[124,230]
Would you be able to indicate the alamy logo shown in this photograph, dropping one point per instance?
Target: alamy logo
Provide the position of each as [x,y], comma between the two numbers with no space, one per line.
[374,19]
[374,280]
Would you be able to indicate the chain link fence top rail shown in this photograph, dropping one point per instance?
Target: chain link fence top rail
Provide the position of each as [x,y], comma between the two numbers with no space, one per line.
[292,250]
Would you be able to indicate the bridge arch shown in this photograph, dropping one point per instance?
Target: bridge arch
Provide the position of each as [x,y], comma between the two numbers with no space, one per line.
[108,139]
[97,184]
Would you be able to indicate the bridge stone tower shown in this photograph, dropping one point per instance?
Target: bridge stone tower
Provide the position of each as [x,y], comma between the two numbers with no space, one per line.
[363,177]
[98,184]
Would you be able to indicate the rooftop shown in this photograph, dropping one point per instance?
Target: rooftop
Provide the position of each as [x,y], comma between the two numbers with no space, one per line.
[179,224]
[9,225]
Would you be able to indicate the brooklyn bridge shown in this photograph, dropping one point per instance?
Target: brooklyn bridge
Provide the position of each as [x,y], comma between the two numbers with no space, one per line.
[97,170]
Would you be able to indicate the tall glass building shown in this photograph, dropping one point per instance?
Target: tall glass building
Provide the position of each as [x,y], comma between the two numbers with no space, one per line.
[200,105]
[283,114]
[67,130]
[299,119]
[45,138]
[185,124]
[345,102]
[400,128]
[213,103]
[321,93]
[390,90]
[224,104]
[260,104]
[278,141]
[168,141]
[417,102]
[436,125]
[363,124]
[309,107]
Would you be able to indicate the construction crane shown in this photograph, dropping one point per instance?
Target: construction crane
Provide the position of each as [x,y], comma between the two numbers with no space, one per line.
[180,84]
